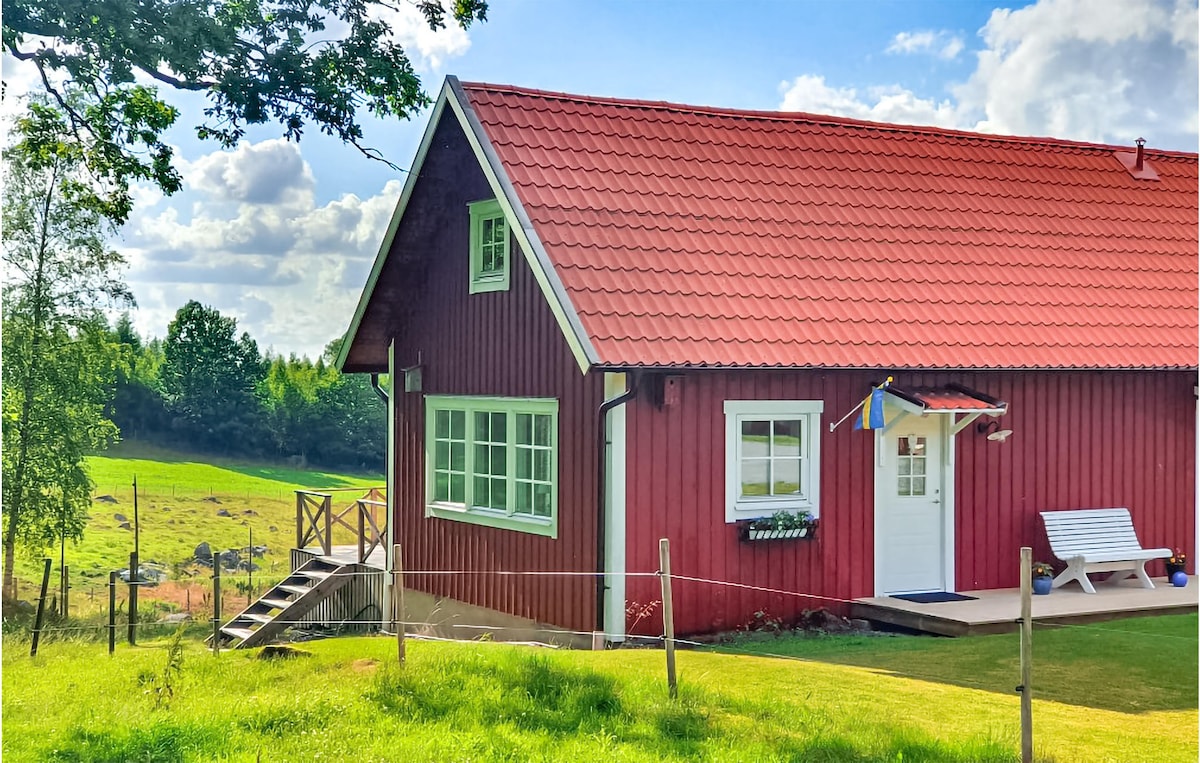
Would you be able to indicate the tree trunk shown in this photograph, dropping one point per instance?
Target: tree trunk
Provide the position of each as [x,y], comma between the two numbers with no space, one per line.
[16,504]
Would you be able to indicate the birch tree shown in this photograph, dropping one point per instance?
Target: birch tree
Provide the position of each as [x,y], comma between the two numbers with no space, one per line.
[58,361]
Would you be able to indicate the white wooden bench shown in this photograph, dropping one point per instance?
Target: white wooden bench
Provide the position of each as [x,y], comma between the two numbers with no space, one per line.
[1098,540]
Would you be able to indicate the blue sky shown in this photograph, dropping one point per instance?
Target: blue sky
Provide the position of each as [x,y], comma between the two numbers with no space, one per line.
[282,235]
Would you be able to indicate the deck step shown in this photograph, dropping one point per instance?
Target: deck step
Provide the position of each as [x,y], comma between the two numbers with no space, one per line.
[274,603]
[312,574]
[238,633]
[299,590]
[256,617]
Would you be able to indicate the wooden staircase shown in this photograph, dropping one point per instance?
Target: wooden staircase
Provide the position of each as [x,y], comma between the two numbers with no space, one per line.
[283,605]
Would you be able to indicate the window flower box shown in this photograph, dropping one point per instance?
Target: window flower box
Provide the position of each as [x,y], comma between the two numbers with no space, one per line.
[782,525]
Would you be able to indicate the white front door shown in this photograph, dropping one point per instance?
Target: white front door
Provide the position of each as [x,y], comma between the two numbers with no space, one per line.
[910,527]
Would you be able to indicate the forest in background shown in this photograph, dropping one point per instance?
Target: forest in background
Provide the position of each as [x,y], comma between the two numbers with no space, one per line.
[207,389]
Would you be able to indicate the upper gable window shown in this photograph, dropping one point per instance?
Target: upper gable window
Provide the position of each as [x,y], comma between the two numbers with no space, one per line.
[490,256]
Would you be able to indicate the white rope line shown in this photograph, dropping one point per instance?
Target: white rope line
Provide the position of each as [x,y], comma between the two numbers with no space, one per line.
[749,587]
[1139,634]
[369,573]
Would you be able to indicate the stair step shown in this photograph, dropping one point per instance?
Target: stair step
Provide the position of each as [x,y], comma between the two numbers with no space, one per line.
[238,633]
[312,574]
[299,590]
[255,617]
[274,603]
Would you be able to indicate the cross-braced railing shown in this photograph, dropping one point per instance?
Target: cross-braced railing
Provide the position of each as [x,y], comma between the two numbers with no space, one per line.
[365,519]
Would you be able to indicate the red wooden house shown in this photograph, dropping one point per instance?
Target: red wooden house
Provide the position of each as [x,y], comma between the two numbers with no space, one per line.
[610,321]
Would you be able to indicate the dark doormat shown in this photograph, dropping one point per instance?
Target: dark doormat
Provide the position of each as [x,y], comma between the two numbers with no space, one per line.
[935,597]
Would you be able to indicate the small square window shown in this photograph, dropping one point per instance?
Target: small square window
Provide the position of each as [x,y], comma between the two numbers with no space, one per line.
[490,254]
[772,457]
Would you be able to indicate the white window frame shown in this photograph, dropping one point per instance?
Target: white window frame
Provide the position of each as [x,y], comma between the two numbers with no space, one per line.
[739,507]
[480,282]
[466,511]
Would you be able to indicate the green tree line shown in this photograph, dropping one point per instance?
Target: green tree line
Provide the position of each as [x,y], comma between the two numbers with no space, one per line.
[206,388]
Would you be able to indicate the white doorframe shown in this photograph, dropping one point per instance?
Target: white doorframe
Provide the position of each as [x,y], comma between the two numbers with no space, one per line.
[948,499]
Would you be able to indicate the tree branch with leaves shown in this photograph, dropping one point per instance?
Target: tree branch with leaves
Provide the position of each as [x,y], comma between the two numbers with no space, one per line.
[297,63]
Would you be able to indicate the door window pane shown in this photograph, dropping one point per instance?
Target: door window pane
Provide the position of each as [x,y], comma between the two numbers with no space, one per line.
[910,465]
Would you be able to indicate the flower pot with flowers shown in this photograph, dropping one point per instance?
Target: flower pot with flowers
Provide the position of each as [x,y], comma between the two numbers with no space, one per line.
[1177,569]
[781,525]
[1043,577]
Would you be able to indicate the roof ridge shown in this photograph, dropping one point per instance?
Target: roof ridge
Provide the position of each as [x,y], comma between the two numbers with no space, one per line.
[821,119]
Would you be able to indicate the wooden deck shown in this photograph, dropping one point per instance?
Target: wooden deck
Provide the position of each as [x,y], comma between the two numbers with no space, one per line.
[377,559]
[997,610]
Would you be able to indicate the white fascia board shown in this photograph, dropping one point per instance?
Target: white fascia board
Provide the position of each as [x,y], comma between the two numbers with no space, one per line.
[393,225]
[531,246]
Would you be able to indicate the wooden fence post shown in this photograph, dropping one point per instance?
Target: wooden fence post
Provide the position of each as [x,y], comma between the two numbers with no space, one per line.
[41,610]
[216,637]
[112,612]
[398,599]
[327,543]
[66,591]
[133,597]
[299,519]
[1026,687]
[664,561]
[250,569]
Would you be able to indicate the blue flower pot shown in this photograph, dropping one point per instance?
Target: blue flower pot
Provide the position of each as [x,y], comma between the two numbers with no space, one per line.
[1041,586]
[1179,579]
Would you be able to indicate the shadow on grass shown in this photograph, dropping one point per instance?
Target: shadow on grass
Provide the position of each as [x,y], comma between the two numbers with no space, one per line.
[1072,665]
[312,480]
[477,694]
[162,742]
[316,478]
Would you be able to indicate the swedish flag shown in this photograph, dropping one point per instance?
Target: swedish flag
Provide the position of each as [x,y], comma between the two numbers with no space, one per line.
[871,416]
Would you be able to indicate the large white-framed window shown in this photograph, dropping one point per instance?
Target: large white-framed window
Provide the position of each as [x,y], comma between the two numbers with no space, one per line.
[772,457]
[493,461]
[490,247]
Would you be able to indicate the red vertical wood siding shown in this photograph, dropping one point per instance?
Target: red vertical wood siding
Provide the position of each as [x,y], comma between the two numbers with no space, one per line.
[1081,440]
[502,344]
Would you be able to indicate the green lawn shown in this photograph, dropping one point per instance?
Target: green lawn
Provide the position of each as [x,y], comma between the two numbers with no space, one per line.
[179,499]
[861,699]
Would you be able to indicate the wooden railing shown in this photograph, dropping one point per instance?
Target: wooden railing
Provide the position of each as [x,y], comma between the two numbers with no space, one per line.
[365,519]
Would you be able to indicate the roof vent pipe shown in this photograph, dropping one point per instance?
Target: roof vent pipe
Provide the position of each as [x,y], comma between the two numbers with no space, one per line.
[1140,162]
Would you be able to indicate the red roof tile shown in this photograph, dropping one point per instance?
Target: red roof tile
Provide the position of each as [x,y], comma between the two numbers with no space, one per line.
[689,236]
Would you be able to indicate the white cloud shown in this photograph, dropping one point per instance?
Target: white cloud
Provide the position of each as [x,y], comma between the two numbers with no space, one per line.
[1095,70]
[881,104]
[1105,71]
[428,49]
[257,173]
[289,270]
[943,44]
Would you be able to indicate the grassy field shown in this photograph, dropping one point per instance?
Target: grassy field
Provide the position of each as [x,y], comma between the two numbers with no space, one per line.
[860,699]
[179,497]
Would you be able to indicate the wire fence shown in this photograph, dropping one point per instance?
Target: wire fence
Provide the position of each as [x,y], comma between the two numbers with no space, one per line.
[205,609]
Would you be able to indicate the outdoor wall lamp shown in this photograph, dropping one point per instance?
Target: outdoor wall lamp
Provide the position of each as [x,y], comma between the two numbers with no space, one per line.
[993,431]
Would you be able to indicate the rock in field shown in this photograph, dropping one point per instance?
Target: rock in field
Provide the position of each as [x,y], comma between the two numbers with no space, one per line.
[120,517]
[223,513]
[105,499]
[203,553]
[125,526]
